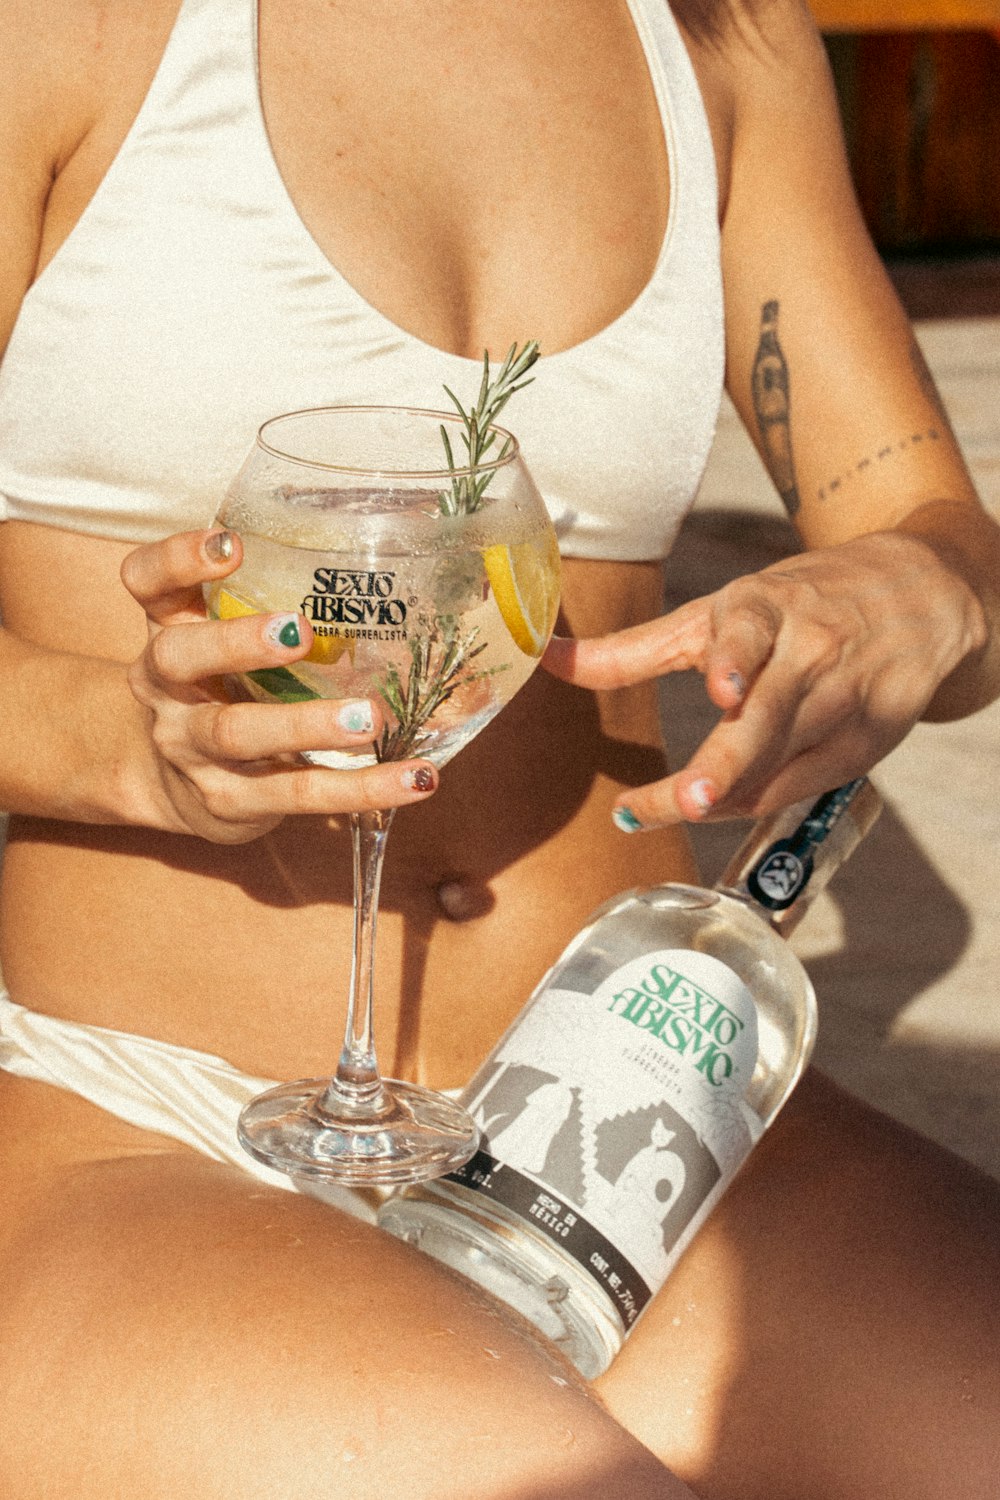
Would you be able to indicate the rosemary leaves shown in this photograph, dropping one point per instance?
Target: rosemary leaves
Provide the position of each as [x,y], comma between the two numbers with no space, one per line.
[478,432]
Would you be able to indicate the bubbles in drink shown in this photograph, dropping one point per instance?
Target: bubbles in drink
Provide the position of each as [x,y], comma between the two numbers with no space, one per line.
[442,620]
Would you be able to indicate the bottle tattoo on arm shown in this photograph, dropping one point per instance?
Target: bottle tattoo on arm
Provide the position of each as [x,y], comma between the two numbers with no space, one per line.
[769,388]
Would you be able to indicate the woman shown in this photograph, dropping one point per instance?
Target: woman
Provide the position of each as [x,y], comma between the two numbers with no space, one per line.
[183,258]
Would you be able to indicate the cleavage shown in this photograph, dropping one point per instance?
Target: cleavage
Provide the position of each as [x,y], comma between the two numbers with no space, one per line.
[468,190]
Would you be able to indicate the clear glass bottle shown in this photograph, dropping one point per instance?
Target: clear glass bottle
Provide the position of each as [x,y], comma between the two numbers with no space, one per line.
[620,1104]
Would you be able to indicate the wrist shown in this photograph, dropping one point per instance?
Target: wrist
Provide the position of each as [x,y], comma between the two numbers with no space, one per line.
[964,543]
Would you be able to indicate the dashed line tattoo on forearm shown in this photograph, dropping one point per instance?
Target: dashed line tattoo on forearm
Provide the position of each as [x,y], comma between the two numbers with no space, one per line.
[932,434]
[769,388]
[890,450]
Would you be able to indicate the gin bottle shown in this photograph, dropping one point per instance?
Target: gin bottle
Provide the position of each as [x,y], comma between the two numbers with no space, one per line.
[620,1104]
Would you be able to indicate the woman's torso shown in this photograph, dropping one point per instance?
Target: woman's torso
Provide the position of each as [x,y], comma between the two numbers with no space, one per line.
[560,163]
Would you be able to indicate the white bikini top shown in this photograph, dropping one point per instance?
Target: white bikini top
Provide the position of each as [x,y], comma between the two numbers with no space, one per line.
[190,303]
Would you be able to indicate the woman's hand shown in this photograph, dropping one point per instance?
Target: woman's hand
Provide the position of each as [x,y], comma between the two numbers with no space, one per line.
[820,664]
[231,771]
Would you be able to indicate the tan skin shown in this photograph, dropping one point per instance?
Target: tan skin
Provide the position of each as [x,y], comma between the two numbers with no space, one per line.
[162,1316]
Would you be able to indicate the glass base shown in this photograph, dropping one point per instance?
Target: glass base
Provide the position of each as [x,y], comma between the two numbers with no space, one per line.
[410,1135]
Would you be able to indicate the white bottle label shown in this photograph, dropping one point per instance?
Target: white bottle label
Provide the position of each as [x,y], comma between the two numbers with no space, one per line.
[612,1122]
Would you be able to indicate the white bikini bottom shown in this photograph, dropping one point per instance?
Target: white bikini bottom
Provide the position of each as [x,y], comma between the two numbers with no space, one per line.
[192,1096]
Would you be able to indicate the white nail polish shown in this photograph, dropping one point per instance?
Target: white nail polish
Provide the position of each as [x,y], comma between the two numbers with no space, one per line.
[283,630]
[703,794]
[356,717]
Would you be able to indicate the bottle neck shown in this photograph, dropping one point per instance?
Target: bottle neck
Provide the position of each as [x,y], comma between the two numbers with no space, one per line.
[789,857]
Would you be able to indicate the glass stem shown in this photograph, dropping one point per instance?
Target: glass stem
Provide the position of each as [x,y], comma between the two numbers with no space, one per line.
[356,1083]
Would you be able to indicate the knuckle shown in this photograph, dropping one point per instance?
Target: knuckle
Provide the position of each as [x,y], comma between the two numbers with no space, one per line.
[138,682]
[219,796]
[372,790]
[163,655]
[304,786]
[172,741]
[131,571]
[743,609]
[165,739]
[227,731]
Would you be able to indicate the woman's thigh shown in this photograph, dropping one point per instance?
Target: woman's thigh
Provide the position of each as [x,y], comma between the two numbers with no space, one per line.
[834,1331]
[170,1327]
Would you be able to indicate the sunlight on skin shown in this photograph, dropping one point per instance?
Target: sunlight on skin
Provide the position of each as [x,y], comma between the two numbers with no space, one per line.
[699,1339]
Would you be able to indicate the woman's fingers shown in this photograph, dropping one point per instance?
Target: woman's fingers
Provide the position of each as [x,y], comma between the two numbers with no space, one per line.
[673,643]
[743,636]
[203,649]
[252,732]
[166,577]
[233,770]
[260,794]
[723,778]
[728,640]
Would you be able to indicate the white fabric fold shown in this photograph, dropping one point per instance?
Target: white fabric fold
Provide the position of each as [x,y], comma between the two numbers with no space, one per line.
[192,1096]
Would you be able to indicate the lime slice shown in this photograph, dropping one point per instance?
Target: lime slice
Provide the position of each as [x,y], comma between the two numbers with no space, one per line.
[525,583]
[279,683]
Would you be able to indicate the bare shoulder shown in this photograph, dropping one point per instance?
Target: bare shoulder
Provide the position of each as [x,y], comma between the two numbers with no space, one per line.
[72,76]
[754,59]
[749,52]
[57,60]
[779,76]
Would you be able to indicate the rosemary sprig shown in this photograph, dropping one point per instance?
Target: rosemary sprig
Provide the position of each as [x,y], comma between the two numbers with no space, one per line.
[429,683]
[440,661]
[467,489]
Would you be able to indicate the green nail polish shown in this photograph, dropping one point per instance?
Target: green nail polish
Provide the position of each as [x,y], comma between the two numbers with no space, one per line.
[625,820]
[283,630]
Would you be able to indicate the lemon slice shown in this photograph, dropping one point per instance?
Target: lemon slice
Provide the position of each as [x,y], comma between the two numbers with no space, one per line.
[228,607]
[325,649]
[525,583]
[328,649]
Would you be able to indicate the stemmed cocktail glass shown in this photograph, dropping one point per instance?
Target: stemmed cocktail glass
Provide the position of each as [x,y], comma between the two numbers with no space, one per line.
[433,588]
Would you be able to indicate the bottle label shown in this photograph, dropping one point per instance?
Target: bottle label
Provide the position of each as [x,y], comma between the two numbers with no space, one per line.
[613,1121]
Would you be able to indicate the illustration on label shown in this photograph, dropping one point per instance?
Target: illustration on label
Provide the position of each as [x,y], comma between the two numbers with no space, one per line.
[608,1120]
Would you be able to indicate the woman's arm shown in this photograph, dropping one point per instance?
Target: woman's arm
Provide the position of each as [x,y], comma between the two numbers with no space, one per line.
[156,741]
[51,704]
[823,662]
[821,361]
[150,740]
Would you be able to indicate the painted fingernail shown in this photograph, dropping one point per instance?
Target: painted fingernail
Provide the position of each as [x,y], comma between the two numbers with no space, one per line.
[625,819]
[219,546]
[356,717]
[283,630]
[420,779]
[737,682]
[703,795]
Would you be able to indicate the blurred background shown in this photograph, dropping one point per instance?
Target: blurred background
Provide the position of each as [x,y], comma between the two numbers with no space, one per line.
[904,947]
